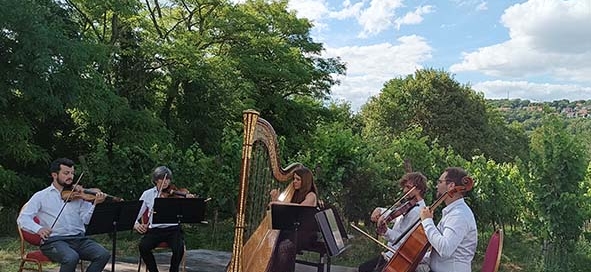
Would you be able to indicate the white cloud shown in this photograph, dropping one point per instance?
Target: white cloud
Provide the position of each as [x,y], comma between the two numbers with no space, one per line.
[415,17]
[369,67]
[498,89]
[314,10]
[482,6]
[547,38]
[479,5]
[378,16]
[348,11]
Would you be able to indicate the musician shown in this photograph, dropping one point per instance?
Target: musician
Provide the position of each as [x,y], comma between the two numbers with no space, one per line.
[454,239]
[402,223]
[63,235]
[306,195]
[154,234]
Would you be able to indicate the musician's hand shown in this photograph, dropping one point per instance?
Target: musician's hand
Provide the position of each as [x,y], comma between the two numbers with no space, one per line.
[189,196]
[44,233]
[141,228]
[426,213]
[375,215]
[78,188]
[274,194]
[100,197]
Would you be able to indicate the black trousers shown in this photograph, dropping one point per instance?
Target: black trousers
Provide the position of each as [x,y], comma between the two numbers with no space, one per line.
[375,264]
[173,236]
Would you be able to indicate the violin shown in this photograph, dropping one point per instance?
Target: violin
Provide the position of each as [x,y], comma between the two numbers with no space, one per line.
[86,194]
[173,192]
[403,209]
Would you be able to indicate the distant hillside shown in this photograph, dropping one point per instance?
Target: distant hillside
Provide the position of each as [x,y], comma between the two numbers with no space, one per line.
[529,114]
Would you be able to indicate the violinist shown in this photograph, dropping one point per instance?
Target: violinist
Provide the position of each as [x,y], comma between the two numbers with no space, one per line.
[61,224]
[412,204]
[454,238]
[154,234]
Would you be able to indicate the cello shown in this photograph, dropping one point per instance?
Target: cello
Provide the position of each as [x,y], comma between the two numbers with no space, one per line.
[412,250]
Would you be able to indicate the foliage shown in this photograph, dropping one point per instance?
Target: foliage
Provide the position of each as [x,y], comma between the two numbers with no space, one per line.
[497,199]
[558,165]
[452,113]
[124,86]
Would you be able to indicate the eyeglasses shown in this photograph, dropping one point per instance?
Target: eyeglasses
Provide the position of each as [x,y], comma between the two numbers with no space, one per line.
[444,180]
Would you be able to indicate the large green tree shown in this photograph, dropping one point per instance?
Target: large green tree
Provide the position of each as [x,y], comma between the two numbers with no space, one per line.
[452,113]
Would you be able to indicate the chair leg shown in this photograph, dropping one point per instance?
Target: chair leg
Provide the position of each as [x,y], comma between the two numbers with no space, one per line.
[327,263]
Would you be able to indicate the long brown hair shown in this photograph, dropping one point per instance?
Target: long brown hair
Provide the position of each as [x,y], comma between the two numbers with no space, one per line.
[307,185]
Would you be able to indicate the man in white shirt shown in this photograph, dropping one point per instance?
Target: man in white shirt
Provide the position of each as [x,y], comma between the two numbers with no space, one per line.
[154,234]
[455,238]
[63,237]
[401,223]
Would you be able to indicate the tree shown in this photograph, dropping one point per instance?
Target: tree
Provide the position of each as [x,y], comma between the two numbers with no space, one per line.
[447,111]
[557,169]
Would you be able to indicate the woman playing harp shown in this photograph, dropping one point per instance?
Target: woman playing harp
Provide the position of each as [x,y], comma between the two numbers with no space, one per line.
[287,247]
[254,239]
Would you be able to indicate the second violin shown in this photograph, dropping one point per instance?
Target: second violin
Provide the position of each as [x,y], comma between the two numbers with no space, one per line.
[173,191]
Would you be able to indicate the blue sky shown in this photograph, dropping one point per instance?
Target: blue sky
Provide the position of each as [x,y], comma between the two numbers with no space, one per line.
[538,49]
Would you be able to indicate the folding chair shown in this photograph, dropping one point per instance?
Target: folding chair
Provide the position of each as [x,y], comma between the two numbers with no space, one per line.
[492,256]
[29,255]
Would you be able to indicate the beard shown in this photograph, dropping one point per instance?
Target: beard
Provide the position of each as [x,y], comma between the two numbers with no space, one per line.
[439,194]
[64,184]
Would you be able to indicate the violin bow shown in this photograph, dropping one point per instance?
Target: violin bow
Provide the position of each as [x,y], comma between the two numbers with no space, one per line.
[159,192]
[398,202]
[67,199]
[372,238]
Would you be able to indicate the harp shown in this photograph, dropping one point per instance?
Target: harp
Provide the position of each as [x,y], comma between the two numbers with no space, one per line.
[260,172]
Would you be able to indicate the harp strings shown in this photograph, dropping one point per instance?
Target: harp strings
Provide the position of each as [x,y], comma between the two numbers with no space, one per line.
[260,183]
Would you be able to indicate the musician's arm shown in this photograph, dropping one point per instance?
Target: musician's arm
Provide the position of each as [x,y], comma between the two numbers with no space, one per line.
[446,242]
[25,217]
[310,200]
[401,224]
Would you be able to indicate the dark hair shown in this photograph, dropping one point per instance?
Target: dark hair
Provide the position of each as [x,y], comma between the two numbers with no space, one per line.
[55,166]
[458,176]
[455,175]
[307,185]
[417,179]
[160,172]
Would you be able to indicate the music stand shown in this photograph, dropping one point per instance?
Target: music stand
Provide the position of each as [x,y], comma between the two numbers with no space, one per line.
[178,210]
[290,217]
[333,231]
[111,217]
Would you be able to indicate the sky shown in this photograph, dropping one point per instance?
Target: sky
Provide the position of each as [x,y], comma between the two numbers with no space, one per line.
[538,50]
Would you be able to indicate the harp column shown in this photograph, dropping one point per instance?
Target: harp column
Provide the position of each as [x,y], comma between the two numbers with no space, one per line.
[250,118]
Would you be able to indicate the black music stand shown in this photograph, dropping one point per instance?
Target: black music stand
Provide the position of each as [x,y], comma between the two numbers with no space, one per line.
[111,217]
[178,210]
[333,231]
[290,217]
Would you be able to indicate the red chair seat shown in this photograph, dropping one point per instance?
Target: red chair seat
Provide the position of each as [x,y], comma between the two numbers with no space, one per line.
[37,255]
[163,245]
